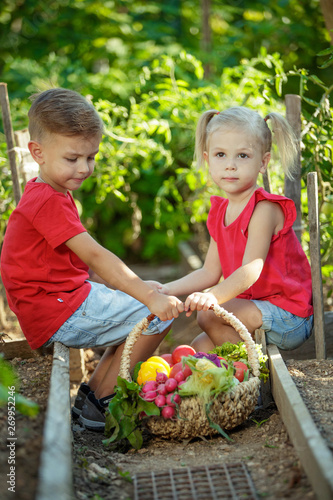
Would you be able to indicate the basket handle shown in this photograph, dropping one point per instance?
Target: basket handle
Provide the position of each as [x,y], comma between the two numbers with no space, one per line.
[124,369]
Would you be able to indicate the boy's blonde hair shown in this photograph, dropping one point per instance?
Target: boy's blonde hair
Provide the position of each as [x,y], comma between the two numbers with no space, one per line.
[256,126]
[62,111]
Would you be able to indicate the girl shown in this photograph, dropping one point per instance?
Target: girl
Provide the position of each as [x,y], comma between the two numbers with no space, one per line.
[267,277]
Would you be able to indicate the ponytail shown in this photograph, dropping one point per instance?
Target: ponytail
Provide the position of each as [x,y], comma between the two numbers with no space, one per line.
[201,135]
[286,141]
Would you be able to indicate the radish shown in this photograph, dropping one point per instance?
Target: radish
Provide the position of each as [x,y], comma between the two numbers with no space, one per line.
[161,378]
[150,396]
[171,384]
[160,400]
[173,399]
[179,376]
[150,385]
[168,412]
[161,389]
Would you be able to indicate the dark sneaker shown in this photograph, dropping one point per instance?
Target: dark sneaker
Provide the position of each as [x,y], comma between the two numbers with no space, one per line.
[93,412]
[82,394]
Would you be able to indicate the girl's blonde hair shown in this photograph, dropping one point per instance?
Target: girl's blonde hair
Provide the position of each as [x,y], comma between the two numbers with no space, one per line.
[251,122]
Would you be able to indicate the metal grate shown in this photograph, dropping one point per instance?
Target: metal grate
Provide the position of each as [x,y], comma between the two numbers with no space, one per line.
[212,482]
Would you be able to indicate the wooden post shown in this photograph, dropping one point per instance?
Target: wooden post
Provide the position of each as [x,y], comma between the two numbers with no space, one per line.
[292,188]
[317,287]
[7,125]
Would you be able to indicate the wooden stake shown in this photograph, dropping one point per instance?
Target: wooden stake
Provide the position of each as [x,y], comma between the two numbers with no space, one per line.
[7,125]
[317,287]
[292,188]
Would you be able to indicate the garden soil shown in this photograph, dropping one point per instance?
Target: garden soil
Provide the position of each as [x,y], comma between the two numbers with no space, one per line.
[261,443]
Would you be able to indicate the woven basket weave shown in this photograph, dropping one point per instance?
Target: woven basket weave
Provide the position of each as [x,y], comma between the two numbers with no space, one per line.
[228,409]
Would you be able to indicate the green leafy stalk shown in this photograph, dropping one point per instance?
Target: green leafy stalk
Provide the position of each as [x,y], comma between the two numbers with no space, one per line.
[124,417]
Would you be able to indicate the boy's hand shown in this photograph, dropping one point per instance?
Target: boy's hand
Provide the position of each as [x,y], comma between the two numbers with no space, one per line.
[158,287]
[166,307]
[199,301]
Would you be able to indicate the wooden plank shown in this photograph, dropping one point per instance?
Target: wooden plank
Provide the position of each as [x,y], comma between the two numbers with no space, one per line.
[292,187]
[311,448]
[317,285]
[7,125]
[55,472]
[16,348]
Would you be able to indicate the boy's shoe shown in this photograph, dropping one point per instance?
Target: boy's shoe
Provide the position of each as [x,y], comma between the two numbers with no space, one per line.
[80,399]
[93,412]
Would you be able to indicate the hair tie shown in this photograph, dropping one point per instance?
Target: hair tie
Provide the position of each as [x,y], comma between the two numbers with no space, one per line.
[217,113]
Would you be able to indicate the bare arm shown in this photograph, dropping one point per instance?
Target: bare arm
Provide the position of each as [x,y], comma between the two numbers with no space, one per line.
[200,279]
[115,272]
[266,220]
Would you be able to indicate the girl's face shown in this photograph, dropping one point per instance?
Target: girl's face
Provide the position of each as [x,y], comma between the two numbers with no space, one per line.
[235,160]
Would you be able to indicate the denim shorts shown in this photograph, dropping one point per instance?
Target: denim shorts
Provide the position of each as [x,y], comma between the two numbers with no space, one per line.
[283,328]
[105,318]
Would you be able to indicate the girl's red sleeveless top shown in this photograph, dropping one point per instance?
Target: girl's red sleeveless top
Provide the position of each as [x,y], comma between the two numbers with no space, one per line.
[285,280]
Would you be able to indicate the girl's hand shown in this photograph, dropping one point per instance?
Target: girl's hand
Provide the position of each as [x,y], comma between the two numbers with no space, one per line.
[158,287]
[199,301]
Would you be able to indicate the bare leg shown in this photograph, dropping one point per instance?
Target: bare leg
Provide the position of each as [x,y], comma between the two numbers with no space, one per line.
[143,349]
[202,343]
[218,331]
[102,368]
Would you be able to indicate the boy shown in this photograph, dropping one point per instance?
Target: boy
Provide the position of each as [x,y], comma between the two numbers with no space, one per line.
[48,257]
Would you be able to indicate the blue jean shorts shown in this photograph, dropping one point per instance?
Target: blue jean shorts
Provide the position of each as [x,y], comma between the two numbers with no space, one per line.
[283,328]
[105,318]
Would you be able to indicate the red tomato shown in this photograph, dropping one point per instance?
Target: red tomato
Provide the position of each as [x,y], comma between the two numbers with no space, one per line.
[175,369]
[241,368]
[168,358]
[180,351]
[178,367]
[187,371]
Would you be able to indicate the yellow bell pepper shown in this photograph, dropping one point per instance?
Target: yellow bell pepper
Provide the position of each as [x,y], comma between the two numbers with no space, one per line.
[149,369]
[160,360]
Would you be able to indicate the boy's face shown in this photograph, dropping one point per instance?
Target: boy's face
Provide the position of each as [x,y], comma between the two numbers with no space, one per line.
[65,162]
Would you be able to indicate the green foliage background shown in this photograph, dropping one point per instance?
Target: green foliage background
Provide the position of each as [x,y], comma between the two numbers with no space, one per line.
[145,68]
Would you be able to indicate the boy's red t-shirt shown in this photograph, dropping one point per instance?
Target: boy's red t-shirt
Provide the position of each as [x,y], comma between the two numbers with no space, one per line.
[45,281]
[285,280]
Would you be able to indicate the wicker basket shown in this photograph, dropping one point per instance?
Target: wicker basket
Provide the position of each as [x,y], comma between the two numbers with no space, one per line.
[227,410]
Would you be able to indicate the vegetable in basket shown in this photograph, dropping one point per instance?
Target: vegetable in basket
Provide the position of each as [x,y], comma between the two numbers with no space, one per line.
[238,352]
[123,419]
[207,379]
[150,368]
